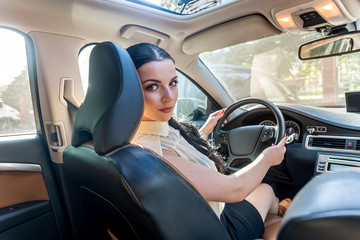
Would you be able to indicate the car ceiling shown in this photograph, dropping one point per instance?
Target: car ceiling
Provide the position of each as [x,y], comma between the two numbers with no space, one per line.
[99,20]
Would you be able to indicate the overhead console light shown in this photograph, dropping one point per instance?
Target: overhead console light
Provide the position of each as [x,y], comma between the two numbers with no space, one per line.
[312,15]
[328,11]
[286,22]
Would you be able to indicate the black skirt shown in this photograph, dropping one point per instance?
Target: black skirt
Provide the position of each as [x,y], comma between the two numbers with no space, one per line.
[242,221]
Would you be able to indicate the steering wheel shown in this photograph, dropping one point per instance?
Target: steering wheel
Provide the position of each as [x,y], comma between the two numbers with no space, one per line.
[246,143]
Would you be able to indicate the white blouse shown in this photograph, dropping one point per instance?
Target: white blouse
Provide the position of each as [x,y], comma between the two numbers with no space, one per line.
[159,135]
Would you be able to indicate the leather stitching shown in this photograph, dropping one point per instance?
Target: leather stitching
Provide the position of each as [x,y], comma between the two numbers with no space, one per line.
[103,198]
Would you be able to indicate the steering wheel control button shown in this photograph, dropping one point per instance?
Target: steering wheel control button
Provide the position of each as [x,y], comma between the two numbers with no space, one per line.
[222,138]
[268,133]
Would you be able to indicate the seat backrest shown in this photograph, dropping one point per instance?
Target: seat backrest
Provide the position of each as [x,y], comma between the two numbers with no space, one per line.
[326,208]
[113,186]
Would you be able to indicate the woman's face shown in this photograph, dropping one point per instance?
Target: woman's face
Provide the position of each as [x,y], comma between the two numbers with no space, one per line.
[159,83]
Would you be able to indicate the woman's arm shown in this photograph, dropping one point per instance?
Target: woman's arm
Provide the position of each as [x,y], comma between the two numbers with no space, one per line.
[214,186]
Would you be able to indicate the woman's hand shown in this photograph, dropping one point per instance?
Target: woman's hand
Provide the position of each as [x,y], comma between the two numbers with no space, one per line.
[211,122]
[276,153]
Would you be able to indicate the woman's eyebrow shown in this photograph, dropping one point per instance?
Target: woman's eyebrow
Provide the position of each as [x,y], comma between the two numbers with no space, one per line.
[151,80]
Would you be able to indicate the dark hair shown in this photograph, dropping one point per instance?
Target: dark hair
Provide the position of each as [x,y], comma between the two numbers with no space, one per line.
[142,53]
[145,52]
[192,136]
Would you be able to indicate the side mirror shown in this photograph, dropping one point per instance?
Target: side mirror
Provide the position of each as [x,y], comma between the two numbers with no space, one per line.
[331,46]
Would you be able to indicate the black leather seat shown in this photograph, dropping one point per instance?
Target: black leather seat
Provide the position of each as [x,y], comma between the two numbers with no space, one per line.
[111,185]
[327,208]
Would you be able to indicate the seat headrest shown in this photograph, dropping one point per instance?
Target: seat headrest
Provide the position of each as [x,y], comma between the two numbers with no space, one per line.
[328,207]
[113,106]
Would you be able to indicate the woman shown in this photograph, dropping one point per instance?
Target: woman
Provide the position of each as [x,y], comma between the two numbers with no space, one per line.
[248,201]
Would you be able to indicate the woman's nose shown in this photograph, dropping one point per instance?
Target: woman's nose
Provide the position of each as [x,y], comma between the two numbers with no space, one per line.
[167,95]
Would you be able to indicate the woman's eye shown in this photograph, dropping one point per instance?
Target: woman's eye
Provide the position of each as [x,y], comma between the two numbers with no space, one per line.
[152,87]
[174,83]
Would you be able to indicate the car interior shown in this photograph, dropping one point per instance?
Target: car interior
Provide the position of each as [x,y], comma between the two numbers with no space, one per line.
[71,101]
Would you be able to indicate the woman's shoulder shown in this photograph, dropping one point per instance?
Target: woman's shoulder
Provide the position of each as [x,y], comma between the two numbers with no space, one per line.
[148,141]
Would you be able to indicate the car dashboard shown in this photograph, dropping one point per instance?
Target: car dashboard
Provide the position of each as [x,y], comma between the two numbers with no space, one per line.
[328,140]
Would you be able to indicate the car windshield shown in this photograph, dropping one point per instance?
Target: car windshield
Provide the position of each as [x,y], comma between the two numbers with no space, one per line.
[270,68]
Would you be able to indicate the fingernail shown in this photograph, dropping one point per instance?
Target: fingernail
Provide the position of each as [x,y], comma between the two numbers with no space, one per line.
[286,138]
[222,111]
[272,144]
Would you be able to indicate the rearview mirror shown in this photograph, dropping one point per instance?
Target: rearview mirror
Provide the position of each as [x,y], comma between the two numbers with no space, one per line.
[330,46]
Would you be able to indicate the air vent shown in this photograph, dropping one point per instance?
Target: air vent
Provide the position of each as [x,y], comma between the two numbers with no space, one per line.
[358,145]
[319,142]
[346,144]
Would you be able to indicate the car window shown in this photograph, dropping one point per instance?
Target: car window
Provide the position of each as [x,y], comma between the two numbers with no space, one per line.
[192,102]
[83,60]
[270,68]
[16,110]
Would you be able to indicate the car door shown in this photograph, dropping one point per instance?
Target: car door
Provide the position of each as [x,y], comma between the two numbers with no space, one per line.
[30,206]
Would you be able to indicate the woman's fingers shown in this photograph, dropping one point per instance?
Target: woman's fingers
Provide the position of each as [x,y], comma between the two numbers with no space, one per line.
[218,113]
[275,153]
[282,142]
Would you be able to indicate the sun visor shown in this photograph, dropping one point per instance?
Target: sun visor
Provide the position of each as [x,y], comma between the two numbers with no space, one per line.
[229,33]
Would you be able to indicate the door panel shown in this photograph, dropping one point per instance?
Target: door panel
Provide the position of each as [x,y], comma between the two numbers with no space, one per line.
[20,186]
[30,220]
[29,201]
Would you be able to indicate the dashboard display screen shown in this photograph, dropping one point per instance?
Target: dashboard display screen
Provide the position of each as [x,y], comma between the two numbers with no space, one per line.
[336,166]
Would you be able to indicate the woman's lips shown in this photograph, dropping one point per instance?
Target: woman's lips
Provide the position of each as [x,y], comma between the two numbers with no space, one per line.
[166,110]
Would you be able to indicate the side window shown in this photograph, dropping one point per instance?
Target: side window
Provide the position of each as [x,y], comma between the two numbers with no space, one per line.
[84,56]
[192,103]
[16,110]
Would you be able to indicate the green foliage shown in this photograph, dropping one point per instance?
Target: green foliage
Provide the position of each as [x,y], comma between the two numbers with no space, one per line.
[19,88]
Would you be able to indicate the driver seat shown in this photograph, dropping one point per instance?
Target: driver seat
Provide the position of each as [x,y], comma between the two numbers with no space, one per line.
[114,189]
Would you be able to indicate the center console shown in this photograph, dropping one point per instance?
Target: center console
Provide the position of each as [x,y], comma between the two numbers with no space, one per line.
[333,162]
